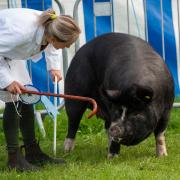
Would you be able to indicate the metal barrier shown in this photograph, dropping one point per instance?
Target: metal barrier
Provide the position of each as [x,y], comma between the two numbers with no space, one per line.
[102,9]
[145,21]
[64,51]
[9,4]
[76,18]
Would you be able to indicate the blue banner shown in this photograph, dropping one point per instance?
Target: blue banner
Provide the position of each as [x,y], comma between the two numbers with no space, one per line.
[103,22]
[154,22]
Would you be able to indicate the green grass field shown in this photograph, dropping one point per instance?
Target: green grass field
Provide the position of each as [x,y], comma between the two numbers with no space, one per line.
[89,159]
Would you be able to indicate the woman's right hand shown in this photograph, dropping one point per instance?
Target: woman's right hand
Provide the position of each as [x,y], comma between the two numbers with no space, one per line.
[15,88]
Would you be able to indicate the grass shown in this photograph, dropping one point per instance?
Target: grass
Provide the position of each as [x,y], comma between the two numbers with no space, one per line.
[89,158]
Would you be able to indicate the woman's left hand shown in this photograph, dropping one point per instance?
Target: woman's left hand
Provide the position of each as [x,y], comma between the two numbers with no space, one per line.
[55,73]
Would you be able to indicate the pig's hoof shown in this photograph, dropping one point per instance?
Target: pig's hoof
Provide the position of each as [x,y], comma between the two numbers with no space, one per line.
[112,156]
[161,151]
[68,145]
[162,154]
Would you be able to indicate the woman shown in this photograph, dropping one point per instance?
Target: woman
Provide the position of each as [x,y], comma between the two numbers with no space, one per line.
[24,34]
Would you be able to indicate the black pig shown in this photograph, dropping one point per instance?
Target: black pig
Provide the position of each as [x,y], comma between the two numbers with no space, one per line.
[131,84]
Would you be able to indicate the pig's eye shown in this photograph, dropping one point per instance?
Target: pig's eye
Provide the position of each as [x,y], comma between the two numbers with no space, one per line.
[121,110]
[118,112]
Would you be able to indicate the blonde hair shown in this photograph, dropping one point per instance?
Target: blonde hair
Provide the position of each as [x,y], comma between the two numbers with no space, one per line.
[62,27]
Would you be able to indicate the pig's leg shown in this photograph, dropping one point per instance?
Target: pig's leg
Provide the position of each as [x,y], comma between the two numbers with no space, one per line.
[114,148]
[161,145]
[79,81]
[74,112]
[159,135]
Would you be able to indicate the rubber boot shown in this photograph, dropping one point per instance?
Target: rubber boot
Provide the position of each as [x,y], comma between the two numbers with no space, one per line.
[34,155]
[17,161]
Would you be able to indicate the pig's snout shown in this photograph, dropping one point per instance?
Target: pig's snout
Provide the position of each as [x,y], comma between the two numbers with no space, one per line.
[116,131]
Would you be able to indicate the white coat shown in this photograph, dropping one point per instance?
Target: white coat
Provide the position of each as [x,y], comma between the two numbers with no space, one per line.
[20,39]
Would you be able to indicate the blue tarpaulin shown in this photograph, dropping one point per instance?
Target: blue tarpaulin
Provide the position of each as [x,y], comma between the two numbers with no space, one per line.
[155,35]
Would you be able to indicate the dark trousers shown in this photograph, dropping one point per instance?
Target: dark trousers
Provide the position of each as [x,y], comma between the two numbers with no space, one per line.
[12,122]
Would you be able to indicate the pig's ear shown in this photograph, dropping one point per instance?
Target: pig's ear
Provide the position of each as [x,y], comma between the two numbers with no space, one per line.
[113,94]
[144,93]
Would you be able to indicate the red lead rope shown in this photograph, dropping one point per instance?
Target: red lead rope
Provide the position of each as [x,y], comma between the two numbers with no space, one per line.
[72,97]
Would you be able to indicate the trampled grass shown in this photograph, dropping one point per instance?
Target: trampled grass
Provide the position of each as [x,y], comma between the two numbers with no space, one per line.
[89,158]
